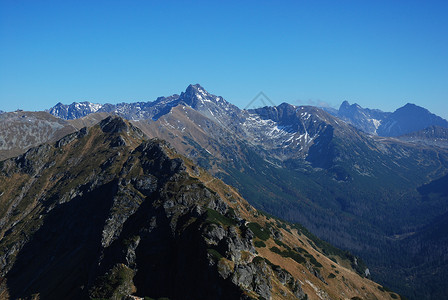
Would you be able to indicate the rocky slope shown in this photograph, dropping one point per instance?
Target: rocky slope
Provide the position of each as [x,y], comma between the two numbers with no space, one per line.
[105,213]
[21,130]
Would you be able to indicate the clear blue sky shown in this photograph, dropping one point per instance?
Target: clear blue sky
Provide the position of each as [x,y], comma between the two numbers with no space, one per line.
[380,54]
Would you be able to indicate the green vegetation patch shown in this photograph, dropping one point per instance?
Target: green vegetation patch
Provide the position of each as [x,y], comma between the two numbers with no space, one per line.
[289,253]
[300,250]
[259,244]
[281,244]
[215,254]
[314,261]
[216,218]
[276,250]
[295,255]
[258,259]
[259,232]
[231,213]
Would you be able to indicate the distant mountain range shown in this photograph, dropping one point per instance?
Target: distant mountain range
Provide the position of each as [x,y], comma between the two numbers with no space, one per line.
[404,120]
[339,174]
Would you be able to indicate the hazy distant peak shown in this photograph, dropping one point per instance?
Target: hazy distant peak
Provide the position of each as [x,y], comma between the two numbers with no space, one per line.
[284,105]
[412,107]
[410,118]
[345,104]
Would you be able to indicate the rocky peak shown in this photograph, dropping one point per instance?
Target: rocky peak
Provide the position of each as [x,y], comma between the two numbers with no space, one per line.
[194,88]
[344,105]
[114,124]
[195,95]
[346,108]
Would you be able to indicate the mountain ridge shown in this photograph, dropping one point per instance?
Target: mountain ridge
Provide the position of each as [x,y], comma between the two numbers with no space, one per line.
[145,221]
[373,121]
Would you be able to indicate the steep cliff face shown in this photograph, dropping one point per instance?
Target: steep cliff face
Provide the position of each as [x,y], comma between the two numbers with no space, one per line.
[105,213]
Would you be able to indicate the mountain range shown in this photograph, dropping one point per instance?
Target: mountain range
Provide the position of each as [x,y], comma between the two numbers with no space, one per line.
[404,120]
[106,213]
[341,176]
